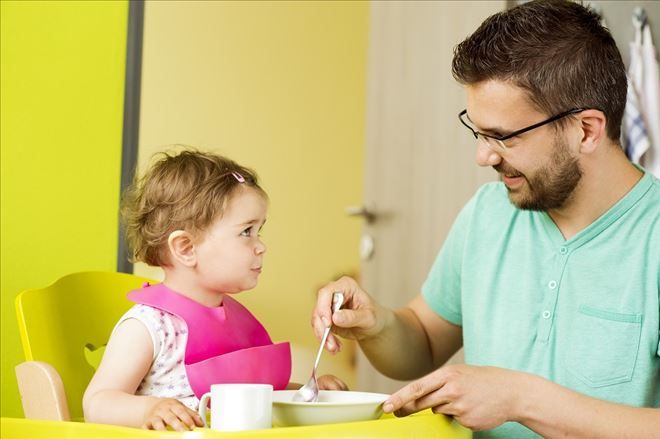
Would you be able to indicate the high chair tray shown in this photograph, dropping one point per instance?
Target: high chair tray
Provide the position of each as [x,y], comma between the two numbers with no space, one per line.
[424,425]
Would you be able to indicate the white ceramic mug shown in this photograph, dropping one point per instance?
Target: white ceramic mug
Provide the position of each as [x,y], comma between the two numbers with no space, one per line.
[237,407]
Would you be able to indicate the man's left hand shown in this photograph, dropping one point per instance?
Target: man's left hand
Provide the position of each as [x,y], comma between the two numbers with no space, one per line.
[478,397]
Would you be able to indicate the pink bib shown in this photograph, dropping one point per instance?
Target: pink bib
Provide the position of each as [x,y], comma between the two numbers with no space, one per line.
[226,344]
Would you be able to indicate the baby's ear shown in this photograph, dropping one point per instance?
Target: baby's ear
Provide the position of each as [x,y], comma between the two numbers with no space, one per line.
[182,249]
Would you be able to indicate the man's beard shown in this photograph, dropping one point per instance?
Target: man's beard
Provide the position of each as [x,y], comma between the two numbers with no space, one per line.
[551,186]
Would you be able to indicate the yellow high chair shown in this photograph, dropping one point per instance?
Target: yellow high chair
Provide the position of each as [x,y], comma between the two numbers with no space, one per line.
[61,327]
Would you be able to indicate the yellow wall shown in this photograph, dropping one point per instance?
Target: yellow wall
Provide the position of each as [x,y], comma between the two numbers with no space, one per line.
[280,87]
[276,86]
[61,117]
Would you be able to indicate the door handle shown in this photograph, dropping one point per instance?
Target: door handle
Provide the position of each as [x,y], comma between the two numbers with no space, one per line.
[362,211]
[366,240]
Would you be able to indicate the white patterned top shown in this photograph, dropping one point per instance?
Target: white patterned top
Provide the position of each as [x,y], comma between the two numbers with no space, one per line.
[167,376]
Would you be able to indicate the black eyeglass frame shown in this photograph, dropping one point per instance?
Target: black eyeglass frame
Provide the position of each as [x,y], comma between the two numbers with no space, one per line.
[476,134]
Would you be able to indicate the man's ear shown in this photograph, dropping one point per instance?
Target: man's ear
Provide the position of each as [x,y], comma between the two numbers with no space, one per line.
[594,125]
[182,249]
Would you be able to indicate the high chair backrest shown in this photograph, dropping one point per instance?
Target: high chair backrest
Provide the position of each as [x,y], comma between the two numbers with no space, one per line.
[57,323]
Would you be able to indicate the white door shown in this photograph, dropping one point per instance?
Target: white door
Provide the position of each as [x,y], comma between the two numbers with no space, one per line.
[420,167]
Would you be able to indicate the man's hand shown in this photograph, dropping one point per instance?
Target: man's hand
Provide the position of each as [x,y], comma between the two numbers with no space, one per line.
[170,412]
[360,316]
[478,397]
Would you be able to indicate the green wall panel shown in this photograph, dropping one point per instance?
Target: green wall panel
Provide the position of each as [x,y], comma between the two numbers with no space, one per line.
[62,91]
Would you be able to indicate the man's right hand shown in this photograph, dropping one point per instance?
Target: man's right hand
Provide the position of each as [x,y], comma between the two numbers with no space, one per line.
[359,318]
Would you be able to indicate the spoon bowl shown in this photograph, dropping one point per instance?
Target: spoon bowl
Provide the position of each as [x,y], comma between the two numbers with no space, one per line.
[310,391]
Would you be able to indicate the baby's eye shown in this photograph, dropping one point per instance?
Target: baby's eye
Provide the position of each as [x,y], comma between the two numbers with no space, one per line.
[246,232]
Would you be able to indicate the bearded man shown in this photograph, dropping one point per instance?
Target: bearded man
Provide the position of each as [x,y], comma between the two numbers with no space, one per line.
[549,278]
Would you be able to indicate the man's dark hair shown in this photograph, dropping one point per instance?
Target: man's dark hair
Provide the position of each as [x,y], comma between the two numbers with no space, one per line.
[555,50]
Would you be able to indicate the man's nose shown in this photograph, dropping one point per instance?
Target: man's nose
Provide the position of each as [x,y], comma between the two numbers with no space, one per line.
[486,156]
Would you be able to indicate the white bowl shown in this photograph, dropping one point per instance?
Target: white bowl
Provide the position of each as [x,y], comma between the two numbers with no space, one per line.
[333,406]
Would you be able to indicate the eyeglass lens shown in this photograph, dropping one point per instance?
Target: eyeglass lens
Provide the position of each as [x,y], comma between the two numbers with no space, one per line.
[495,144]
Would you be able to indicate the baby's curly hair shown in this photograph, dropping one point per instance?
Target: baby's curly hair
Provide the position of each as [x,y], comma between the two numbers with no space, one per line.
[180,191]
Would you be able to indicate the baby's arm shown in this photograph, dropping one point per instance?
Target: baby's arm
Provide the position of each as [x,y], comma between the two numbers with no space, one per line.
[331,382]
[325,382]
[110,397]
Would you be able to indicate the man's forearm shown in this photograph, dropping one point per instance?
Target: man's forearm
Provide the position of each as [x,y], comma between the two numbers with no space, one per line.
[401,350]
[554,411]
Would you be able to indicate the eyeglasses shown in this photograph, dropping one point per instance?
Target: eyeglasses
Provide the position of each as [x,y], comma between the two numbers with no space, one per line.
[497,142]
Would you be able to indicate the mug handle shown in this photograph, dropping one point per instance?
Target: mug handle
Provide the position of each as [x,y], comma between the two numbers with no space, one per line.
[203,402]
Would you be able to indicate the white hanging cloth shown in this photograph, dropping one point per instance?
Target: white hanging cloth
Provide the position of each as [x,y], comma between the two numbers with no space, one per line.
[650,94]
[642,115]
[636,140]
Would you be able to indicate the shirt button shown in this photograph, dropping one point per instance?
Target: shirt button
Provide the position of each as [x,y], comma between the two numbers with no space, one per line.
[552,284]
[546,314]
[563,250]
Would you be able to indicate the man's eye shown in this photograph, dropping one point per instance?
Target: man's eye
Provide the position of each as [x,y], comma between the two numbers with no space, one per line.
[511,141]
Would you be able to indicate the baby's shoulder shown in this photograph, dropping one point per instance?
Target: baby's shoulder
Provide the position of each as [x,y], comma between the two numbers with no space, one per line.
[141,312]
[152,317]
[165,329]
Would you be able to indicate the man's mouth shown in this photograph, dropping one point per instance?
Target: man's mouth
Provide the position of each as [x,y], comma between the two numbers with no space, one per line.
[507,171]
[511,175]
[512,180]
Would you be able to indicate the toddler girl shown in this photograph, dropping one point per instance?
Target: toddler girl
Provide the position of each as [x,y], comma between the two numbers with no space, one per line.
[197,216]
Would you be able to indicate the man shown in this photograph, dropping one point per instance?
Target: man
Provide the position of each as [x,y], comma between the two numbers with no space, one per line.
[549,278]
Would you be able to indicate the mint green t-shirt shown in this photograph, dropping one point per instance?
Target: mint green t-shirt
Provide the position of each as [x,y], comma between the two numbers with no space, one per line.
[582,312]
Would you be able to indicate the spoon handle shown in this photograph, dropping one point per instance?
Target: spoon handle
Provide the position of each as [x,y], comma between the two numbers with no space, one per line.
[318,354]
[337,302]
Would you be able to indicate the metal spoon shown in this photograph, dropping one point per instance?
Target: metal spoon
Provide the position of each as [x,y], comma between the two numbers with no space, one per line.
[310,391]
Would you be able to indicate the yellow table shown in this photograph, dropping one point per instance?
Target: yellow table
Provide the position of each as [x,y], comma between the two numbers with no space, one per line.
[424,425]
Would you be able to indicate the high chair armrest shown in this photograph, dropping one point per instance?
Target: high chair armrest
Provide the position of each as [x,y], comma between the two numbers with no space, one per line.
[42,391]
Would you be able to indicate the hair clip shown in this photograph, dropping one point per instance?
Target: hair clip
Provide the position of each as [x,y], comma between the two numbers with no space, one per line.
[238,177]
